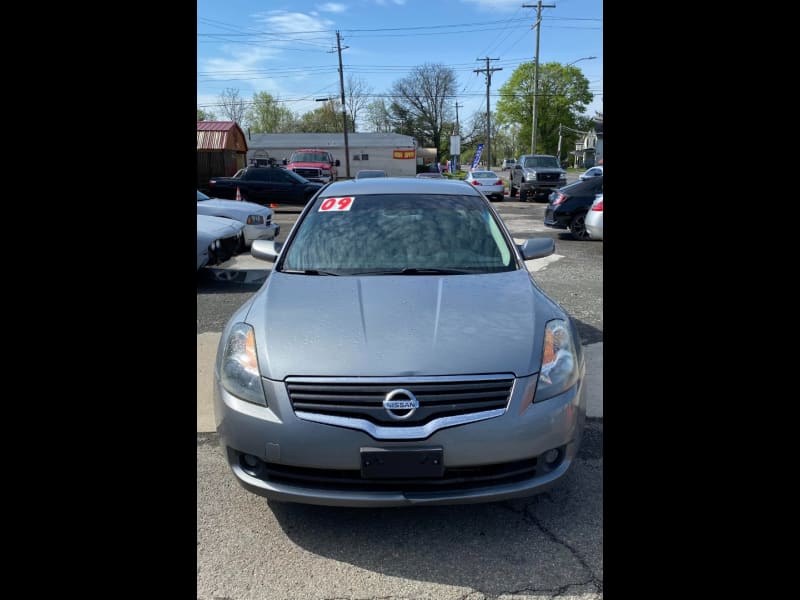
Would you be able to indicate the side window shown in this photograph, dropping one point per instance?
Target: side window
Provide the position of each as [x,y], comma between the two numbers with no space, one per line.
[260,175]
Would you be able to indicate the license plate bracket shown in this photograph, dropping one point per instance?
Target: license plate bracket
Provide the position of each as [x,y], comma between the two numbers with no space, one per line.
[408,463]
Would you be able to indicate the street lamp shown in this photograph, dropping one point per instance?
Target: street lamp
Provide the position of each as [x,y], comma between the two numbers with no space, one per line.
[580,59]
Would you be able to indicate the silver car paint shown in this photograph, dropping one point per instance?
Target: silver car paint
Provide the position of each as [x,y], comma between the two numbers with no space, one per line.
[239,211]
[349,325]
[399,326]
[594,220]
[210,229]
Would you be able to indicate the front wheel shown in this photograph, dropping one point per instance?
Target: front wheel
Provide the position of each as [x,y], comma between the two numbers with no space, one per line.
[577,227]
[523,195]
[512,192]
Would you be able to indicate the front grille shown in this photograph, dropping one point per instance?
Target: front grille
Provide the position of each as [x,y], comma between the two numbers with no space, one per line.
[454,478]
[547,176]
[437,397]
[308,172]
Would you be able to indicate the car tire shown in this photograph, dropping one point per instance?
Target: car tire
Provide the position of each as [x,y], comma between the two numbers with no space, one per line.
[523,195]
[577,227]
[512,191]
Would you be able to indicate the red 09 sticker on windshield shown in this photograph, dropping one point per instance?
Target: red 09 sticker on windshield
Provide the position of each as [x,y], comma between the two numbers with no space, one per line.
[330,204]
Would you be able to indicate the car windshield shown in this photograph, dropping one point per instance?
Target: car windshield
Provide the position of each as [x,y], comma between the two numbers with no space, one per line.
[201,196]
[398,234]
[309,157]
[541,162]
[484,175]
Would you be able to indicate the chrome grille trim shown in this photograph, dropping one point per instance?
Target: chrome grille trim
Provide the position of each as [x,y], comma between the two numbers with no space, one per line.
[400,433]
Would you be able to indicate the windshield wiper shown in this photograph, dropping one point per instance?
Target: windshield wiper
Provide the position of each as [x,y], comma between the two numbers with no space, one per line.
[415,271]
[308,272]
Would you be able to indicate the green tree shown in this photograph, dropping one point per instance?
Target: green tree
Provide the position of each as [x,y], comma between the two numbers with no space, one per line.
[563,97]
[378,119]
[266,115]
[205,115]
[426,96]
[326,119]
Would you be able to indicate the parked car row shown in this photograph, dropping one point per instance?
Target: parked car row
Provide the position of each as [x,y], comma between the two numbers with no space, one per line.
[568,206]
[227,227]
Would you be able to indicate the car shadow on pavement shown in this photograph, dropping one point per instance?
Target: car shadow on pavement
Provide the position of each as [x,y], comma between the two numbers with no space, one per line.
[589,334]
[549,543]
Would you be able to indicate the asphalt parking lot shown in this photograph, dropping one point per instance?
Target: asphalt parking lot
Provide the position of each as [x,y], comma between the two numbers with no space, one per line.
[540,547]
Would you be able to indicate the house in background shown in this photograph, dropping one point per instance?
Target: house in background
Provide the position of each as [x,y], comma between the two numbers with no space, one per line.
[589,149]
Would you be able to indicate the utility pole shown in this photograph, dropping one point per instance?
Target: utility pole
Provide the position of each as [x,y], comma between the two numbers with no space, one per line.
[539,6]
[488,72]
[344,111]
[457,132]
[558,154]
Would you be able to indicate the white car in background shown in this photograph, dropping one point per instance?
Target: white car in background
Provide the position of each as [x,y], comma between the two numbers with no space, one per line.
[488,182]
[593,172]
[217,239]
[257,219]
[594,219]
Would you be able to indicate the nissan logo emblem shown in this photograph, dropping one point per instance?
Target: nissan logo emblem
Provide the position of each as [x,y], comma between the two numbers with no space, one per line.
[406,402]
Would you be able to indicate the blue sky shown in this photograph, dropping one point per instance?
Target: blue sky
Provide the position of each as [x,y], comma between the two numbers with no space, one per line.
[288,47]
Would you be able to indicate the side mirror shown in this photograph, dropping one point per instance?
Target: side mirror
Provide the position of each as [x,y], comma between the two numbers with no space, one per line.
[266,249]
[337,163]
[533,248]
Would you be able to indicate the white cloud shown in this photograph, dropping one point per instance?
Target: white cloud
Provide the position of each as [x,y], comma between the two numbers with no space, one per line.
[333,7]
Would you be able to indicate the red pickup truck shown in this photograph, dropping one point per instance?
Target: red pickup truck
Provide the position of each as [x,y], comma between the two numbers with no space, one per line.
[314,164]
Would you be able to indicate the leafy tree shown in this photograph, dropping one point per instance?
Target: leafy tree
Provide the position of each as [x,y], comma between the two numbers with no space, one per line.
[378,118]
[326,119]
[205,115]
[232,106]
[563,97]
[266,115]
[426,96]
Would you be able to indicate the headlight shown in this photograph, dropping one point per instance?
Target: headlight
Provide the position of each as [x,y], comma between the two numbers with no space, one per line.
[326,173]
[239,372]
[255,220]
[559,369]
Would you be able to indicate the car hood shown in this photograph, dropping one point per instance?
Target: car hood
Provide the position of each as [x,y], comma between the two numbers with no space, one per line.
[231,208]
[215,228]
[399,325]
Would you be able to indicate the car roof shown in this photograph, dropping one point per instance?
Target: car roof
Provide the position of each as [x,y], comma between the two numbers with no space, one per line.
[399,185]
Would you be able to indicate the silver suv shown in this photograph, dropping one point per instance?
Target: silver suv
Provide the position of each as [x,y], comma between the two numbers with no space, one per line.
[537,175]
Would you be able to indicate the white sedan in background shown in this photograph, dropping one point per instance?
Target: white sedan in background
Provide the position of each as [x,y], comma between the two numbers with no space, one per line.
[257,219]
[488,182]
[218,239]
[594,219]
[593,172]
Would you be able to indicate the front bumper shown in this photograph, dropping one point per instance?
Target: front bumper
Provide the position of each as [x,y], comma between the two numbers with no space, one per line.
[542,185]
[314,463]
[261,232]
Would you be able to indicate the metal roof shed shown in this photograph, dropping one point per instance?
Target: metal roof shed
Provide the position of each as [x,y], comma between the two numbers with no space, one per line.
[221,150]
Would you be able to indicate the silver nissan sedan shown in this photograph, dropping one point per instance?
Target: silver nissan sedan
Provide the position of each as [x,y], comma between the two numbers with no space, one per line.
[399,353]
